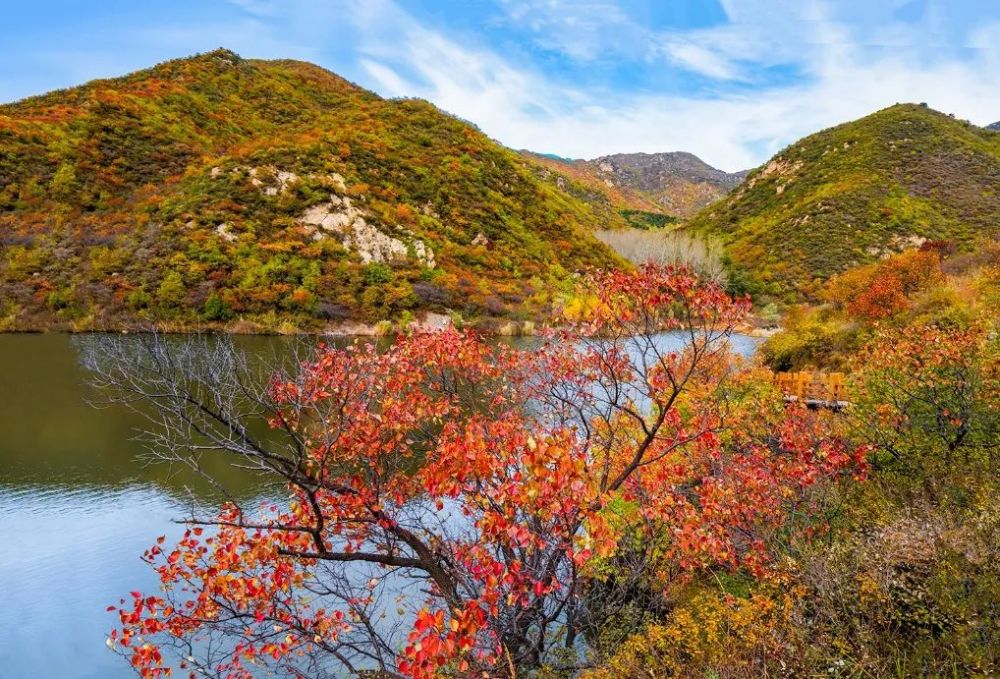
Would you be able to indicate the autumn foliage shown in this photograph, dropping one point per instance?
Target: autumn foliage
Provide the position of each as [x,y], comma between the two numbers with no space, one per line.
[929,395]
[882,290]
[448,499]
[142,200]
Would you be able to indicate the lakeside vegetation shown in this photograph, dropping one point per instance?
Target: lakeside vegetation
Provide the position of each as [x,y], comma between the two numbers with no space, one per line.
[907,583]
[653,510]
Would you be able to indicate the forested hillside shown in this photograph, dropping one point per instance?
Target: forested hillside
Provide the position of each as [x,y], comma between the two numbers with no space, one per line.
[854,193]
[219,190]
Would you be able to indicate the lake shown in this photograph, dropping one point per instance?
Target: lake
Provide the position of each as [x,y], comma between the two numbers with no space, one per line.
[77,509]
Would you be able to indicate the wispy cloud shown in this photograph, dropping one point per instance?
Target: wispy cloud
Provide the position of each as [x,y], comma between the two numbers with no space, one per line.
[581,29]
[846,73]
[701,59]
[732,82]
[259,7]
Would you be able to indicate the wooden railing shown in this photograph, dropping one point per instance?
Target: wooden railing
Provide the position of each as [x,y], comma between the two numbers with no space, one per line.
[816,389]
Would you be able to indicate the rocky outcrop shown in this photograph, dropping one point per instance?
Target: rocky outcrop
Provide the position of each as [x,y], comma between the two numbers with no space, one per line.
[778,167]
[270,180]
[223,232]
[340,217]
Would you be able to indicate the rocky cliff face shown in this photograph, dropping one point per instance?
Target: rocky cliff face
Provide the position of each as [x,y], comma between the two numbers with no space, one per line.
[679,182]
[648,171]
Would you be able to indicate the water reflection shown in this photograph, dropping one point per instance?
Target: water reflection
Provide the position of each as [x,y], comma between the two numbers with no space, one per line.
[76,511]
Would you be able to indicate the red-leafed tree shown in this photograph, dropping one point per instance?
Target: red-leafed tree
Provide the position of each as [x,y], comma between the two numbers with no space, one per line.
[445,499]
[884,289]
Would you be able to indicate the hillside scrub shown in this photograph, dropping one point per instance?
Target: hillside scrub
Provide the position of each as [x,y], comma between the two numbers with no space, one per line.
[851,194]
[218,191]
[929,284]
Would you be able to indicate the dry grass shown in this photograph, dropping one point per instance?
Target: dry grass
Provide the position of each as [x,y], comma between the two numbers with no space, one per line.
[666,247]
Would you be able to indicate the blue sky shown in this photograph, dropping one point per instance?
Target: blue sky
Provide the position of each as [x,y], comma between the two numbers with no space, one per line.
[731,80]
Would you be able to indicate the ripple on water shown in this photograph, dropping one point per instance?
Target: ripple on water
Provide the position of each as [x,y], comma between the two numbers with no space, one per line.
[68,553]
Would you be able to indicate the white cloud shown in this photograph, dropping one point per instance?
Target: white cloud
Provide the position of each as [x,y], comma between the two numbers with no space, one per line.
[732,128]
[701,60]
[581,29]
[833,66]
[388,81]
[258,7]
[986,41]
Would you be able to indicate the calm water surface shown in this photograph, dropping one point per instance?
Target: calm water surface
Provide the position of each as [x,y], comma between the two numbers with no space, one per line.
[77,510]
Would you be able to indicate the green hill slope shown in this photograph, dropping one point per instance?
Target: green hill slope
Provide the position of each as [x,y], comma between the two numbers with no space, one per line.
[852,193]
[214,189]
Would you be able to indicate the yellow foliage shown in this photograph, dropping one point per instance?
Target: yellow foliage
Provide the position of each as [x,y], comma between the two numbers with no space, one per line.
[710,633]
[580,307]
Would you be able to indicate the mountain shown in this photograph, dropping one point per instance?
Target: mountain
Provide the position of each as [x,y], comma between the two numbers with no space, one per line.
[612,202]
[994,126]
[218,189]
[676,184]
[855,192]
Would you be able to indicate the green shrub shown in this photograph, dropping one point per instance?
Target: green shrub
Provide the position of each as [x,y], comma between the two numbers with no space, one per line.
[376,274]
[171,291]
[216,309]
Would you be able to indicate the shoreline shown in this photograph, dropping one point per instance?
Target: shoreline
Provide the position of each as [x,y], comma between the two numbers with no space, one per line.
[508,328]
[385,328]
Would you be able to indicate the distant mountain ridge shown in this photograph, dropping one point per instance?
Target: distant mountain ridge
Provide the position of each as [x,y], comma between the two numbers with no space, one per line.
[271,194]
[994,126]
[680,182]
[674,183]
[646,171]
[855,192]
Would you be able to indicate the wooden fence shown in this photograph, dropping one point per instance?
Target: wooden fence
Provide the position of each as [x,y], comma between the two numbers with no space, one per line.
[817,389]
